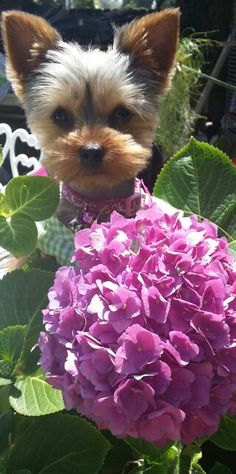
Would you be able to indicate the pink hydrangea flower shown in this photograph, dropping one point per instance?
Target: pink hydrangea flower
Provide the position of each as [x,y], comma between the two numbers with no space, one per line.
[141,336]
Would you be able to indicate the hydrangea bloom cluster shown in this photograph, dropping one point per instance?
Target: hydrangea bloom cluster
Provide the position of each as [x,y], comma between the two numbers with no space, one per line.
[141,336]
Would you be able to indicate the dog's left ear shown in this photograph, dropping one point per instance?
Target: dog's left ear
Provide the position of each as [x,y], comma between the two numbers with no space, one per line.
[151,43]
[26,39]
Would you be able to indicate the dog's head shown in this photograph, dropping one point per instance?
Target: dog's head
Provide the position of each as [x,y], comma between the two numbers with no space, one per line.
[94,112]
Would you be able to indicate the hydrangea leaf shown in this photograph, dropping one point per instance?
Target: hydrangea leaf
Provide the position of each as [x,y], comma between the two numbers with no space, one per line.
[22,471]
[119,455]
[6,368]
[4,207]
[6,427]
[144,448]
[23,296]
[200,179]
[11,342]
[220,469]
[32,396]
[197,469]
[225,437]
[4,381]
[18,234]
[59,444]
[166,459]
[189,457]
[36,196]
[28,359]
[4,398]
[232,248]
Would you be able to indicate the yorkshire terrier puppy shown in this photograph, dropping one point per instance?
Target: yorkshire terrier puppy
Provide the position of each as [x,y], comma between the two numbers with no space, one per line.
[94,112]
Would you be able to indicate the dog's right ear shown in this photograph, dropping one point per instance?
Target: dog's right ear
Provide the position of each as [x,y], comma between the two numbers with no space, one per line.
[26,39]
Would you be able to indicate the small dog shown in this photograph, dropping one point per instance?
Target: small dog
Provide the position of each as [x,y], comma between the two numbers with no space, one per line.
[93,112]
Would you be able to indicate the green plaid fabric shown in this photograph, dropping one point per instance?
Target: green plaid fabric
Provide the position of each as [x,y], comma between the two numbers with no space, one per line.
[55,239]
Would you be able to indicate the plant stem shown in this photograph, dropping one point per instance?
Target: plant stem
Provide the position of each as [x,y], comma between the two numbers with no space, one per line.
[224,84]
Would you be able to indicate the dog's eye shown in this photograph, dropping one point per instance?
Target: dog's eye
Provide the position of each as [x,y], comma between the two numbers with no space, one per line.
[61,117]
[119,116]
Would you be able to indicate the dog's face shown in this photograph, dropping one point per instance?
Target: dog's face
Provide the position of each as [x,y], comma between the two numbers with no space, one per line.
[94,112]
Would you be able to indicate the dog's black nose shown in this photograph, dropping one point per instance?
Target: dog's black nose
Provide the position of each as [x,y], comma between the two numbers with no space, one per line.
[91,155]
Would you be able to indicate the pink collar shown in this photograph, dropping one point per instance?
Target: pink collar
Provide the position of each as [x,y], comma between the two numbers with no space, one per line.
[90,210]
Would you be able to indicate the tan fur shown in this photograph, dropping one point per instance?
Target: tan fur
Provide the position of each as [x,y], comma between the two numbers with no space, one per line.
[26,38]
[124,157]
[152,41]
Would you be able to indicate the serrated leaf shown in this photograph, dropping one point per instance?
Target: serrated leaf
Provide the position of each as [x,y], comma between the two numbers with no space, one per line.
[6,368]
[33,396]
[219,468]
[119,455]
[11,342]
[28,297]
[23,296]
[18,234]
[59,444]
[165,459]
[200,179]
[36,196]
[225,437]
[144,448]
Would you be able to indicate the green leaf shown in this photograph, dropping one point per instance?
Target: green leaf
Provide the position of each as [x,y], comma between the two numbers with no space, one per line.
[119,455]
[4,207]
[157,468]
[4,399]
[18,234]
[197,469]
[200,179]
[22,471]
[165,459]
[11,342]
[28,292]
[36,196]
[232,248]
[189,457]
[144,448]
[225,437]
[4,381]
[6,368]
[33,396]
[6,428]
[220,469]
[23,296]
[59,444]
